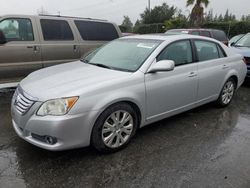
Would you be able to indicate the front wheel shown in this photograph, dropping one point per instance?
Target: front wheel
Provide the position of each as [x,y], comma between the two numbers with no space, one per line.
[114,128]
[227,93]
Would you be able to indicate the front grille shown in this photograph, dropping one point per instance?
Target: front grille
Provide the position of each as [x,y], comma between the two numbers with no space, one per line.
[22,101]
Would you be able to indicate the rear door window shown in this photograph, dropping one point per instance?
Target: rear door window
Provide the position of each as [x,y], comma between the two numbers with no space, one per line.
[56,30]
[96,31]
[206,50]
[17,29]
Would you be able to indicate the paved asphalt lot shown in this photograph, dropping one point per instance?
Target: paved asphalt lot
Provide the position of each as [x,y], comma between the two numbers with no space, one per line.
[205,147]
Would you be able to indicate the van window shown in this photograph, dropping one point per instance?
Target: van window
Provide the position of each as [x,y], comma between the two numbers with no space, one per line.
[219,35]
[195,33]
[205,33]
[56,30]
[206,50]
[90,30]
[17,29]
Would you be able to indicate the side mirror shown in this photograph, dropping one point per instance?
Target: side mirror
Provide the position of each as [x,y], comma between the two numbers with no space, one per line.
[2,38]
[232,44]
[162,66]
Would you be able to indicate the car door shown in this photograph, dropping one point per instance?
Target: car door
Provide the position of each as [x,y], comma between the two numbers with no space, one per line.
[212,69]
[59,43]
[174,91]
[21,54]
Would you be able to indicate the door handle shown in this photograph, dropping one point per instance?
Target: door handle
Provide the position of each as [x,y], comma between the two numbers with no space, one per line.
[35,48]
[192,74]
[225,66]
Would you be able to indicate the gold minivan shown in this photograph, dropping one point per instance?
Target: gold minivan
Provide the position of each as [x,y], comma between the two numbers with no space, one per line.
[29,43]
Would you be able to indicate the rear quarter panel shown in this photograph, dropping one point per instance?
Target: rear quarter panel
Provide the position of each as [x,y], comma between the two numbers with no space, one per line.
[237,66]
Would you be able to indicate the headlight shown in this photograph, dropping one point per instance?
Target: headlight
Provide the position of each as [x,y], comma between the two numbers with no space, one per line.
[57,107]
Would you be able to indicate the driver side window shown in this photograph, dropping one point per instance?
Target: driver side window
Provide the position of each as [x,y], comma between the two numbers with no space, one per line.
[17,29]
[180,52]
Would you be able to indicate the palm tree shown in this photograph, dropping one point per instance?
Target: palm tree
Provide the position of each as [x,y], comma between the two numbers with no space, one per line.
[197,13]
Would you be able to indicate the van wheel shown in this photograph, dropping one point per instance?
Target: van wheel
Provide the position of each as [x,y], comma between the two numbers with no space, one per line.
[227,93]
[114,128]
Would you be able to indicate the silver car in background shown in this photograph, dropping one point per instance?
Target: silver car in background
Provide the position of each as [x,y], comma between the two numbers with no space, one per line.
[130,82]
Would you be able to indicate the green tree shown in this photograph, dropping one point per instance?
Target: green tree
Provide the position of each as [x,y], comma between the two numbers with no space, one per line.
[127,24]
[209,16]
[178,22]
[245,18]
[229,17]
[158,14]
[197,14]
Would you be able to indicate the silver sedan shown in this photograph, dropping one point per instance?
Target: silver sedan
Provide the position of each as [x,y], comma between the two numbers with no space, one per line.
[131,82]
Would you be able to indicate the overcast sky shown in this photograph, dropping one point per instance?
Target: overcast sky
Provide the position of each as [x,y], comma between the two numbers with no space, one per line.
[113,10]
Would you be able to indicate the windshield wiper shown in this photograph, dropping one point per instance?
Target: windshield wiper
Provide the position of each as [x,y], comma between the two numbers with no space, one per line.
[105,66]
[101,65]
[84,60]
[240,46]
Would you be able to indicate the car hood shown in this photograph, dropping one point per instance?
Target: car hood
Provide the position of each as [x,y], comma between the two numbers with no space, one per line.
[245,51]
[70,79]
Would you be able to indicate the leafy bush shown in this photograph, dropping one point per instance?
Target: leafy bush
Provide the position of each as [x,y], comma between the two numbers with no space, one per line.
[230,28]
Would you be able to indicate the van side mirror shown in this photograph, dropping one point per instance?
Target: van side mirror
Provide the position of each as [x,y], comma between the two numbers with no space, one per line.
[162,66]
[2,38]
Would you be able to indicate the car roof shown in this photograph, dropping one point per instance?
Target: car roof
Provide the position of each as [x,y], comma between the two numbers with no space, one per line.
[194,29]
[165,37]
[44,16]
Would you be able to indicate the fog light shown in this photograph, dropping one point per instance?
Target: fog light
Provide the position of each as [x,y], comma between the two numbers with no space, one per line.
[50,140]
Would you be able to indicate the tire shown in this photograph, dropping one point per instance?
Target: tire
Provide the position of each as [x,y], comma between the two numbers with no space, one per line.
[114,128]
[227,93]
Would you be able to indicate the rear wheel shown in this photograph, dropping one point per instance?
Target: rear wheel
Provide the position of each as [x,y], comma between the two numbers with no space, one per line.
[227,93]
[114,128]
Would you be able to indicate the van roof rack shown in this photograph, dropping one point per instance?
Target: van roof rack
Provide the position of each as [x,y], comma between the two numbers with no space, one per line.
[71,17]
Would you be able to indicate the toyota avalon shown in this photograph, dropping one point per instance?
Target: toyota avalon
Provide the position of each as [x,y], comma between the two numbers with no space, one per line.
[130,82]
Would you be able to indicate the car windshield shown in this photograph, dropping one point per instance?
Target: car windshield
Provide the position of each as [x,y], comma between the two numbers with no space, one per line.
[123,54]
[244,41]
[236,38]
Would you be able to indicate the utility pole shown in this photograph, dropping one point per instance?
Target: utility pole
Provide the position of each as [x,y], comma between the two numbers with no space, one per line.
[149,5]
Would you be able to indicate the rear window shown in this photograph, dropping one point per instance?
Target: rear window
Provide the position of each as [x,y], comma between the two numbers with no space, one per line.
[56,30]
[219,35]
[100,31]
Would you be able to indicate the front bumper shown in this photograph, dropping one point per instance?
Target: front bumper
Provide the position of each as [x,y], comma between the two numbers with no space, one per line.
[70,131]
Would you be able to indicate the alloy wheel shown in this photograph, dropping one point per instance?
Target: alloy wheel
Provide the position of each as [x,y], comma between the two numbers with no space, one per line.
[228,92]
[117,129]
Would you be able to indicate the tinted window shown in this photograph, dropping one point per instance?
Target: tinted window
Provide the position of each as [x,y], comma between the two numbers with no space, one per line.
[90,30]
[195,33]
[56,30]
[205,33]
[180,52]
[219,35]
[17,29]
[206,50]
